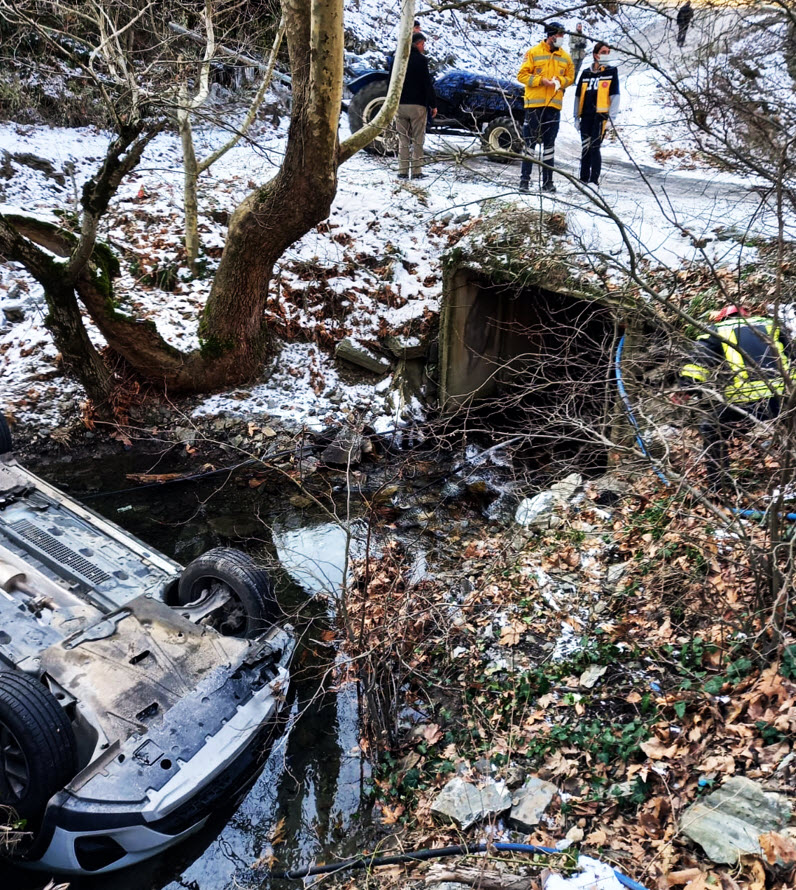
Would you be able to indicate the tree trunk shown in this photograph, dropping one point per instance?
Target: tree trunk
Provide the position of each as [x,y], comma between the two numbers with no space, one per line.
[190,199]
[79,357]
[235,340]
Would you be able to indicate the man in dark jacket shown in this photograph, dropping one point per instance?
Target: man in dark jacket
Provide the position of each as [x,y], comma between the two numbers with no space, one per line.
[684,15]
[577,47]
[417,99]
[750,359]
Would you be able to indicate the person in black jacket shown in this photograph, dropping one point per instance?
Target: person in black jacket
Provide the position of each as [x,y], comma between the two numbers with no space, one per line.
[596,99]
[417,98]
[684,15]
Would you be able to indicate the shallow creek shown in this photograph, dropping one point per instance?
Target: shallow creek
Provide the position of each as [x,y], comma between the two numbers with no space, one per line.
[308,803]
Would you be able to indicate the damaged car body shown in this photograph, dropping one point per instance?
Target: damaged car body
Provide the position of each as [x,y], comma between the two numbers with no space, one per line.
[135,696]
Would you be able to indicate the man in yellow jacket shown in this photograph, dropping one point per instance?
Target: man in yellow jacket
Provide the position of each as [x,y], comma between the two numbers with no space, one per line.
[546,72]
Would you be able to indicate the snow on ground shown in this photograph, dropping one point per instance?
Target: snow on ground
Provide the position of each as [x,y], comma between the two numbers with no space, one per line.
[376,260]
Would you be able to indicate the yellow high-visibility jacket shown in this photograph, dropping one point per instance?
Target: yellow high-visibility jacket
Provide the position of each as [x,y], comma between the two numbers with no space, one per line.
[751,355]
[540,63]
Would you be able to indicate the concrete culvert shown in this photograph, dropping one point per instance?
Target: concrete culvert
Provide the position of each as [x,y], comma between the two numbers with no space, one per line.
[527,358]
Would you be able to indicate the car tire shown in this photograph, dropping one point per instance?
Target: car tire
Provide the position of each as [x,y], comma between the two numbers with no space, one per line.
[38,751]
[6,442]
[502,134]
[252,608]
[365,105]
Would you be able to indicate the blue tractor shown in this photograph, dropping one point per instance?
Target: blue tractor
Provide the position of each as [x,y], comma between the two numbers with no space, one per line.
[467,104]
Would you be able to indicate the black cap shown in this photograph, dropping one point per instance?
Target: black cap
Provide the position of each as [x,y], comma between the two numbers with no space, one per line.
[553,28]
[418,37]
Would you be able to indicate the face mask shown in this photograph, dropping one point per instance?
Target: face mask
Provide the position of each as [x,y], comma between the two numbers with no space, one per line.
[558,42]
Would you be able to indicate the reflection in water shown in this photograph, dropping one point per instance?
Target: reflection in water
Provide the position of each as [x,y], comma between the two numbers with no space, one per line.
[315,556]
[354,770]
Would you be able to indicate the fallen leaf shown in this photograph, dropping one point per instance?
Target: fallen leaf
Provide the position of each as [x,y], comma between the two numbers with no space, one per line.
[511,633]
[390,815]
[656,750]
[597,838]
[432,733]
[277,833]
[778,848]
[756,873]
[650,825]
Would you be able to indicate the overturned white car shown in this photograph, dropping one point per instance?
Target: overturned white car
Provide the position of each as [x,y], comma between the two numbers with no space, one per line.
[135,696]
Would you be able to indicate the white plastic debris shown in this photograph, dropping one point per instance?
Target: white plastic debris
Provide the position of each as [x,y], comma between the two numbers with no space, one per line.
[594,875]
[538,510]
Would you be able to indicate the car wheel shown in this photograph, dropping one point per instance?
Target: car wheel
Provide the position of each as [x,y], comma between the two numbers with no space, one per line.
[502,135]
[6,443]
[38,752]
[252,606]
[365,105]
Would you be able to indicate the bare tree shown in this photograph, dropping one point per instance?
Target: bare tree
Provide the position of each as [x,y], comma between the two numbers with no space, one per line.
[189,103]
[235,339]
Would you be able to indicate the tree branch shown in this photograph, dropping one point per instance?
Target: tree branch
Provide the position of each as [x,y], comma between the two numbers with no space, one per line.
[365,135]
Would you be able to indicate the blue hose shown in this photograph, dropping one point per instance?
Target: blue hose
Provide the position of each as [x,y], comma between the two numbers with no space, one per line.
[620,385]
[423,855]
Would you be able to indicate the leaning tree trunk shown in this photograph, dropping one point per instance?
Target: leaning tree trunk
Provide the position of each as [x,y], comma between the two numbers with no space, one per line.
[64,319]
[235,339]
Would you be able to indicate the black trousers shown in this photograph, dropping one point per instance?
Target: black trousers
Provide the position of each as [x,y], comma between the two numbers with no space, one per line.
[682,30]
[540,125]
[720,425]
[592,130]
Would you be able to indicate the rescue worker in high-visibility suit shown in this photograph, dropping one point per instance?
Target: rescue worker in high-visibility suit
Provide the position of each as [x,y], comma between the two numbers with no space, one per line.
[596,100]
[546,71]
[750,360]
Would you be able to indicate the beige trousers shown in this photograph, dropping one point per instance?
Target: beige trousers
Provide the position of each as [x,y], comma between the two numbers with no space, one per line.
[410,121]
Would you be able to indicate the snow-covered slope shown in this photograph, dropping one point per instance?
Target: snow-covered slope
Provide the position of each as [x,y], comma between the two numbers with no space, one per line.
[376,261]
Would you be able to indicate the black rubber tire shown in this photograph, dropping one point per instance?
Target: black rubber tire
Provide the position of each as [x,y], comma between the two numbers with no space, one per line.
[6,442]
[251,586]
[502,134]
[363,108]
[38,751]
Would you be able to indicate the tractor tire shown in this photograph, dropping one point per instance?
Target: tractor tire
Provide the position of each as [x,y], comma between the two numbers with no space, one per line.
[502,140]
[365,105]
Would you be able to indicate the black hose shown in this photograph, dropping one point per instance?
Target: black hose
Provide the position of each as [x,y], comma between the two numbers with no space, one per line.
[422,855]
[415,856]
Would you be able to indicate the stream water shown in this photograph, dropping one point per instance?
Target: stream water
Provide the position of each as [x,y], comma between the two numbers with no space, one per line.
[308,803]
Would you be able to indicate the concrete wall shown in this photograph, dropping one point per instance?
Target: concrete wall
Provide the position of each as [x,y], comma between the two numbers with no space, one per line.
[496,337]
